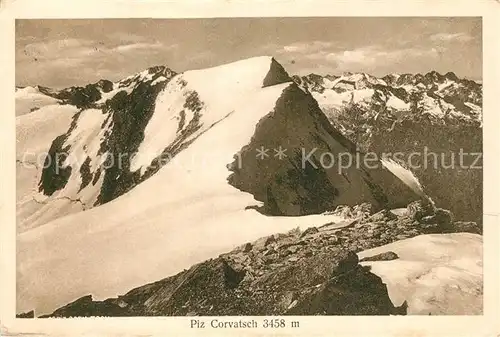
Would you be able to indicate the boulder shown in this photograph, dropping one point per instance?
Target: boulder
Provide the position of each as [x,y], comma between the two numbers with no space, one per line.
[386,256]
[468,226]
[363,210]
[343,211]
[344,262]
[262,243]
[439,222]
[310,230]
[419,209]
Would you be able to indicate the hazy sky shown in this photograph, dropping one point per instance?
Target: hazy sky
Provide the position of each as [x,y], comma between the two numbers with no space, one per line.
[61,53]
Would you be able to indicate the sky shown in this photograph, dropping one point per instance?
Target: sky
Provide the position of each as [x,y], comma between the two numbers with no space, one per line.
[62,53]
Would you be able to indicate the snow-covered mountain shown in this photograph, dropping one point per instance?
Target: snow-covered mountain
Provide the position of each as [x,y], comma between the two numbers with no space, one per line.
[165,168]
[413,114]
[124,131]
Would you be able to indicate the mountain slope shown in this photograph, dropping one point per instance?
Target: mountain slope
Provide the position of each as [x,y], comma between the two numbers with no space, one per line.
[30,99]
[316,272]
[35,132]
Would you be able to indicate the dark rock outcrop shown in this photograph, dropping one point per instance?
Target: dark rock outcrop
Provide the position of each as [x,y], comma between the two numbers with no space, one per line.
[419,209]
[276,75]
[468,227]
[129,114]
[310,179]
[81,97]
[55,175]
[386,256]
[29,314]
[440,221]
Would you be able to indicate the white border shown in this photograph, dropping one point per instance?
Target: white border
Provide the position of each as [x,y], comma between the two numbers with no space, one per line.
[485,325]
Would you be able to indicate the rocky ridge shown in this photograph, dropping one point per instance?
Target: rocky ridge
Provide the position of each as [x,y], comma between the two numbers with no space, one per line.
[311,272]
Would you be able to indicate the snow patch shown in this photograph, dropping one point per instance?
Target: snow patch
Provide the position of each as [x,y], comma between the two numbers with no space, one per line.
[445,84]
[404,175]
[332,99]
[362,95]
[159,80]
[396,103]
[436,273]
[35,131]
[34,135]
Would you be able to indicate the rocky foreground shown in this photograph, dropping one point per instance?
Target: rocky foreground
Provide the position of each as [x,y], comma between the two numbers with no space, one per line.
[313,272]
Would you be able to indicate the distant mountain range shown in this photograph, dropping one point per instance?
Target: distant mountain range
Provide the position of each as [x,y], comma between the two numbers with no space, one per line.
[443,97]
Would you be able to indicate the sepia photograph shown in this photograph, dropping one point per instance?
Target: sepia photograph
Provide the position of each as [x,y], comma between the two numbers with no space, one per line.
[249,166]
[248,170]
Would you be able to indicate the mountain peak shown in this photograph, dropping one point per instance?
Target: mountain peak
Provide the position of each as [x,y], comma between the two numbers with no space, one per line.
[256,72]
[276,75]
[451,76]
[161,70]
